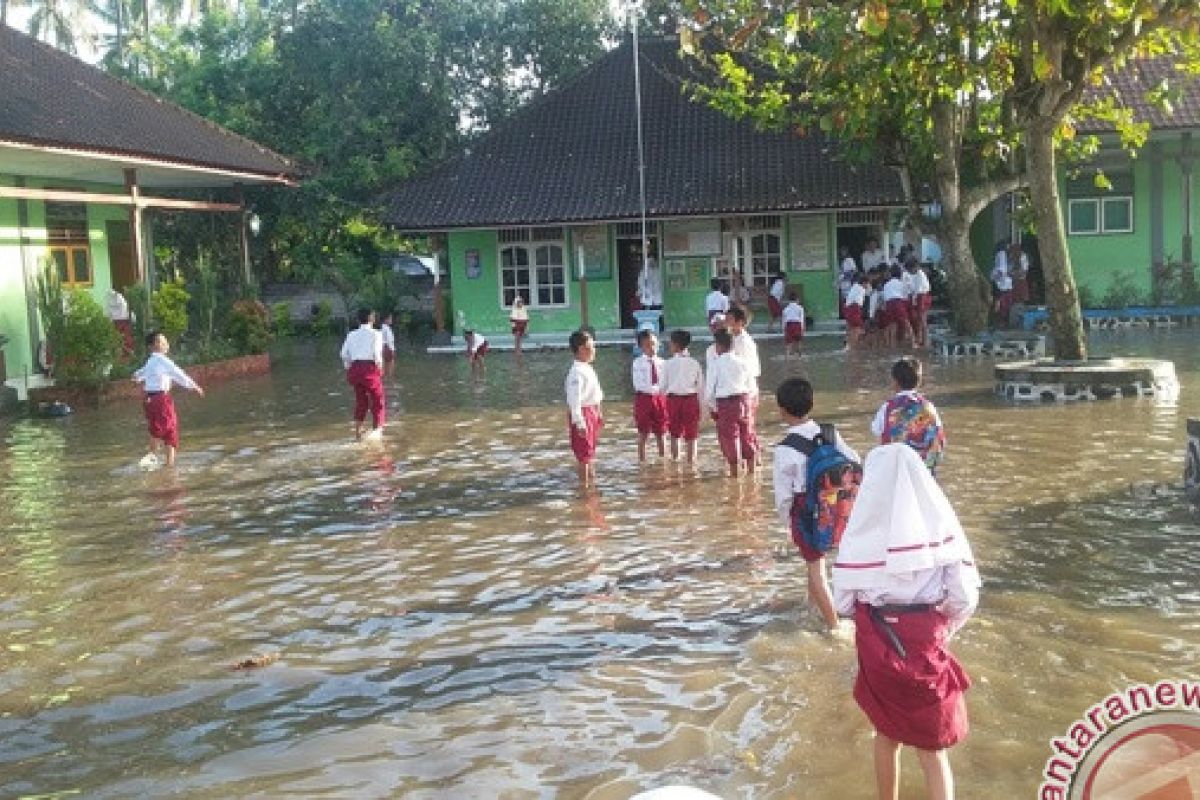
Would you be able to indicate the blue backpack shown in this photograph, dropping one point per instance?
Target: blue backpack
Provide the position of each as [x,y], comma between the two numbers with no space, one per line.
[830,488]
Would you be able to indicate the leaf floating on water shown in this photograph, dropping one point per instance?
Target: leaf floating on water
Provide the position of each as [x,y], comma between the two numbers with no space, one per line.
[257,660]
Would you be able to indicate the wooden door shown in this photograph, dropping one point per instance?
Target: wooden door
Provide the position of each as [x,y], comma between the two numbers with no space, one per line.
[120,254]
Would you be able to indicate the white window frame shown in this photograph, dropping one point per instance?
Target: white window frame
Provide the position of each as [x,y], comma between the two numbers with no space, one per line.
[1099,203]
[533,242]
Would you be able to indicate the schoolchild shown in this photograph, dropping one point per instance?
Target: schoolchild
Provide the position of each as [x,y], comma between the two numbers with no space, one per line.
[362,356]
[585,416]
[715,302]
[727,391]
[156,375]
[909,417]
[775,301]
[795,399]
[920,298]
[519,320]
[745,348]
[895,301]
[906,574]
[683,382]
[793,324]
[477,350]
[855,314]
[649,399]
[389,346]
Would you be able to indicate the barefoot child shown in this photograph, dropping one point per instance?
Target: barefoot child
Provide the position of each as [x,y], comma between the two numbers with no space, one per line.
[362,356]
[519,317]
[649,400]
[715,302]
[156,376]
[584,415]
[727,391]
[791,468]
[909,417]
[477,350]
[683,382]
[920,298]
[906,574]
[793,324]
[775,301]
[855,312]
[745,349]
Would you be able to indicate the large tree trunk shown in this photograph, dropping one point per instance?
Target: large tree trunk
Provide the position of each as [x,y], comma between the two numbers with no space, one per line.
[1062,298]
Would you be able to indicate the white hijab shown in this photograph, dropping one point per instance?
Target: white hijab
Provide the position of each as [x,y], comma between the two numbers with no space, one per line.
[901,523]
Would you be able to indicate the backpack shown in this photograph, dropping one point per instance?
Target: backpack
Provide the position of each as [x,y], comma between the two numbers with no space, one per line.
[911,419]
[830,487]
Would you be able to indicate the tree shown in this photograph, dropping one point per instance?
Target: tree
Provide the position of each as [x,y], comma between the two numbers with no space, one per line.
[59,22]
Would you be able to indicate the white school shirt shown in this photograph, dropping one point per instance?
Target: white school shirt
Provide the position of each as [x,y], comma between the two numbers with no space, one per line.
[583,389]
[873,258]
[790,468]
[880,420]
[650,288]
[745,349]
[953,588]
[710,355]
[793,312]
[918,283]
[857,295]
[643,377]
[478,341]
[158,372]
[777,290]
[1000,274]
[729,375]
[681,374]
[116,307]
[716,301]
[894,290]
[389,337]
[519,314]
[364,343]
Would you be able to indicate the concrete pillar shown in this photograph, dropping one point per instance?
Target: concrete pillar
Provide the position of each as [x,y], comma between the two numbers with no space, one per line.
[135,227]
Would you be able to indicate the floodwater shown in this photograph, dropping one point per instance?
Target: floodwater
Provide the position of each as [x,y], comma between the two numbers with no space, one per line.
[447,618]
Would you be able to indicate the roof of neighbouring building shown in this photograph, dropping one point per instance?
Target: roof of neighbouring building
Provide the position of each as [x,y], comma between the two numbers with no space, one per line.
[51,99]
[571,156]
[1133,85]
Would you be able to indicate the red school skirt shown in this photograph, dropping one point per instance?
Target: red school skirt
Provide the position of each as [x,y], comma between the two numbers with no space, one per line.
[161,421]
[650,413]
[793,332]
[583,443]
[519,326]
[916,700]
[683,416]
[854,316]
[896,313]
[774,307]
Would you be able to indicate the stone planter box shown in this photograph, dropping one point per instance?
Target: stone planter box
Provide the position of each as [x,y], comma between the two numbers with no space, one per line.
[1117,318]
[95,396]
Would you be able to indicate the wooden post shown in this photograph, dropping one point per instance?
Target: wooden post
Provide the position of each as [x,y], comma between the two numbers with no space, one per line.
[583,297]
[439,311]
[244,239]
[135,227]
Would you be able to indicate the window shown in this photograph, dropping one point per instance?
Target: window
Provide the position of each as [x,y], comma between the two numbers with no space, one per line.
[532,264]
[66,228]
[1092,210]
[764,258]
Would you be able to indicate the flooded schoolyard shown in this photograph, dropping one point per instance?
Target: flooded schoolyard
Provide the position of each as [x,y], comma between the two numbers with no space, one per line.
[446,617]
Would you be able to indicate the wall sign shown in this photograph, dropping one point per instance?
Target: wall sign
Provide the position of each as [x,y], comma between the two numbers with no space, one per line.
[810,242]
[591,242]
[473,267]
[692,237]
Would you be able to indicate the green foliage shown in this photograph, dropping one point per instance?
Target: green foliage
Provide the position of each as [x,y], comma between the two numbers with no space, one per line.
[281,319]
[51,305]
[322,321]
[89,343]
[249,327]
[205,296]
[139,310]
[170,304]
[1087,297]
[1122,292]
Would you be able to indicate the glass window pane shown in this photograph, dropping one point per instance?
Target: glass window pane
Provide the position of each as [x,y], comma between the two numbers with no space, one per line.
[1118,214]
[1084,215]
[83,271]
[60,264]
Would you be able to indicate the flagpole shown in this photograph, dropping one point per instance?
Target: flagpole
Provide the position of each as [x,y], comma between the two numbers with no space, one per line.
[641,155]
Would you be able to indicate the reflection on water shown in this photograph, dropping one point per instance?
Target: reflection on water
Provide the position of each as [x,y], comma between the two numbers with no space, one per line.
[452,619]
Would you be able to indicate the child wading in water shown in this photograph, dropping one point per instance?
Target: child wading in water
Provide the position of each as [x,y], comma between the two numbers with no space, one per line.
[683,381]
[519,318]
[362,356]
[906,574]
[477,350]
[156,376]
[909,417]
[727,392]
[584,415]
[649,400]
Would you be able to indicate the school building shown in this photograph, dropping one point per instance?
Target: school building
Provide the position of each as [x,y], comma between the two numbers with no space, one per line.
[86,160]
[548,204]
[1138,231]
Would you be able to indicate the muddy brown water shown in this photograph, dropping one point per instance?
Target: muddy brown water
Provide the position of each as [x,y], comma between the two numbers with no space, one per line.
[448,618]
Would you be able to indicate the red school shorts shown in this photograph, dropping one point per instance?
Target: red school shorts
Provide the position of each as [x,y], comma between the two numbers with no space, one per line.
[161,421]
[774,307]
[683,416]
[650,413]
[519,326]
[896,313]
[854,316]
[793,332]
[583,443]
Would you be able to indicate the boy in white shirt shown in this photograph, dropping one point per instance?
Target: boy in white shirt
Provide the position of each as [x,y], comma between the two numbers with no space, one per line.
[683,382]
[715,302]
[920,298]
[477,349]
[519,317]
[156,376]
[727,391]
[649,399]
[855,313]
[745,349]
[795,399]
[895,309]
[362,356]
[793,325]
[584,414]
[389,346]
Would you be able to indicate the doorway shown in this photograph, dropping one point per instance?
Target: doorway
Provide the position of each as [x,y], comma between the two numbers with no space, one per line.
[854,238]
[120,254]
[629,267]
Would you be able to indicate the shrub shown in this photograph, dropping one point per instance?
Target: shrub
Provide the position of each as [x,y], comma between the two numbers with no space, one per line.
[51,307]
[170,304]
[139,310]
[90,344]
[322,321]
[281,319]
[204,296]
[1122,292]
[249,327]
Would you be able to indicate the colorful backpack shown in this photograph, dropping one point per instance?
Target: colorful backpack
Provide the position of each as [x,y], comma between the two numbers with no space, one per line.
[911,419]
[831,485]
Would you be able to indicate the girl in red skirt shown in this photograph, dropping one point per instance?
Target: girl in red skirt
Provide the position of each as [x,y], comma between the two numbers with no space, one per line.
[157,376]
[519,318]
[906,574]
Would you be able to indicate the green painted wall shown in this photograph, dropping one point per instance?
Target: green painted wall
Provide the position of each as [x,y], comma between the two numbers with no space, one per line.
[477,301]
[684,308]
[818,290]
[13,316]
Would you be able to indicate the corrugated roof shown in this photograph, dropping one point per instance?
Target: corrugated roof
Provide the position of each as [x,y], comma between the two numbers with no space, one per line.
[1132,85]
[50,98]
[572,156]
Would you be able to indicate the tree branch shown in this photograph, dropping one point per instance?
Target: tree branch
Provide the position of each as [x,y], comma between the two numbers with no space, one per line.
[977,198]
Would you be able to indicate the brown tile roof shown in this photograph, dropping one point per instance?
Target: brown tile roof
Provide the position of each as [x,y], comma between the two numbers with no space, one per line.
[572,156]
[48,97]
[1132,85]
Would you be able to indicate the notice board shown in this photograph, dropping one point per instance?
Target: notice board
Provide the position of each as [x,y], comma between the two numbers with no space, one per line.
[810,242]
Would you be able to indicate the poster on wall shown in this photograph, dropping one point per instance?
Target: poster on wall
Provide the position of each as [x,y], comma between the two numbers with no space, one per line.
[810,243]
[591,243]
[471,260]
[676,275]
[692,237]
